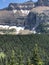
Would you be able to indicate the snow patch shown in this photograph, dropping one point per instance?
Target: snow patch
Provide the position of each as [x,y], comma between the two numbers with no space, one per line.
[47,28]
[34,32]
[14,11]
[12,27]
[20,6]
[16,28]
[4,26]
[25,11]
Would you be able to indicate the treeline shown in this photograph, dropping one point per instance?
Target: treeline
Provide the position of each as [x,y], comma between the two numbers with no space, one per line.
[24,44]
[36,58]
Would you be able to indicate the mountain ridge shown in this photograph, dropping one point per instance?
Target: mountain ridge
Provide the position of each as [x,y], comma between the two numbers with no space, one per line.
[28,15]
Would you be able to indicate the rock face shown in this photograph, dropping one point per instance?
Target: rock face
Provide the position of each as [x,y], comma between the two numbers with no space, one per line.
[43,2]
[15,14]
[18,6]
[29,16]
[40,19]
[9,18]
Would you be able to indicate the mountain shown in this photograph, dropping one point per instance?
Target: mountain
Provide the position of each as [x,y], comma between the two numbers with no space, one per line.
[38,19]
[43,2]
[24,6]
[28,16]
[16,11]
[15,14]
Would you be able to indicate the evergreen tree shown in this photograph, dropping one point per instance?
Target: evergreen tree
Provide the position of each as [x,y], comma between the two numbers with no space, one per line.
[2,58]
[6,61]
[12,59]
[20,58]
[28,61]
[36,60]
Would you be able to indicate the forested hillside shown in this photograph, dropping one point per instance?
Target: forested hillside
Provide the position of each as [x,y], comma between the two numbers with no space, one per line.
[22,45]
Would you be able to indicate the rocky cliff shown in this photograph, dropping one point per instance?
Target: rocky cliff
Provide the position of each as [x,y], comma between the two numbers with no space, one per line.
[43,2]
[15,14]
[29,16]
[40,19]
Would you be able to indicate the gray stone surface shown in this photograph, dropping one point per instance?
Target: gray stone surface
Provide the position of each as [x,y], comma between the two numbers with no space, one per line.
[36,20]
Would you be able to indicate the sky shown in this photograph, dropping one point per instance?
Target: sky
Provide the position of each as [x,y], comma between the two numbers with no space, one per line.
[5,3]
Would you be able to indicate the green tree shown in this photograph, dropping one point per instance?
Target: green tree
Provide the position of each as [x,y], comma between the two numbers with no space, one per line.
[28,61]
[12,59]
[2,58]
[20,57]
[36,60]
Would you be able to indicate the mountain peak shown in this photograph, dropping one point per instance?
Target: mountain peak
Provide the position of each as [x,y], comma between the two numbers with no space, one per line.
[43,2]
[24,6]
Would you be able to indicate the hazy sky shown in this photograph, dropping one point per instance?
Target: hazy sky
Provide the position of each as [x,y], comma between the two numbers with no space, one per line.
[4,3]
